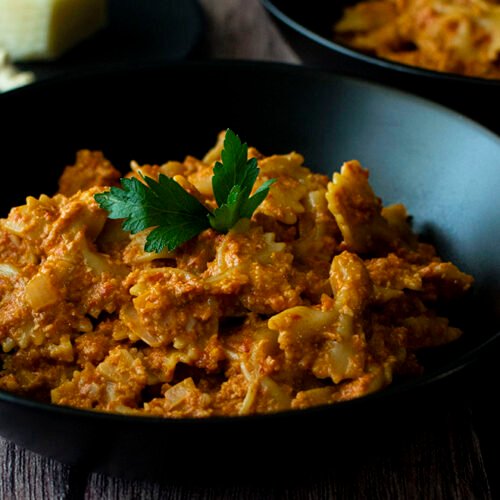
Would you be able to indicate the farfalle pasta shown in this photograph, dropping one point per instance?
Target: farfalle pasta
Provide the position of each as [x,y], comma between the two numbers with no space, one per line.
[324,295]
[454,36]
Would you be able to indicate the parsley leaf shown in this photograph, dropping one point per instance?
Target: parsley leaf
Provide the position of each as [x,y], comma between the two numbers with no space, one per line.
[235,169]
[232,184]
[174,214]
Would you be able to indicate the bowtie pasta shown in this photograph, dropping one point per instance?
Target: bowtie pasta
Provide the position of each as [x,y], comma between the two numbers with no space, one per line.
[455,36]
[323,296]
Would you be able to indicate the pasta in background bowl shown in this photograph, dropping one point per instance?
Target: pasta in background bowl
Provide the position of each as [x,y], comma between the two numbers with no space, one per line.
[442,35]
[418,153]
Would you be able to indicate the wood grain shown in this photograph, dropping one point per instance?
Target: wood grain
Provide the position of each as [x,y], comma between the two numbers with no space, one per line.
[26,475]
[437,462]
[441,462]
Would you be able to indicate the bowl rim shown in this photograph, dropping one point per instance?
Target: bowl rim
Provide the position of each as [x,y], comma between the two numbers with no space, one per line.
[388,394]
[282,67]
[295,25]
[451,368]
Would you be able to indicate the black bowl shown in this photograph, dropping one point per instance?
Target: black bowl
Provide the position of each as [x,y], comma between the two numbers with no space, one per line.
[443,166]
[308,27]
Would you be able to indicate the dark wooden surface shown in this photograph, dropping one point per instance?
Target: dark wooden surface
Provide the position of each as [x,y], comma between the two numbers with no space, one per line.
[453,458]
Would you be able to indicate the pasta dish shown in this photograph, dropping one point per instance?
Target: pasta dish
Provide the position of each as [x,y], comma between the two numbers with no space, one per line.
[455,36]
[322,296]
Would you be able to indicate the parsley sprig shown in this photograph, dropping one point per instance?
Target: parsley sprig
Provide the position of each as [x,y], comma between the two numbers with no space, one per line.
[175,215]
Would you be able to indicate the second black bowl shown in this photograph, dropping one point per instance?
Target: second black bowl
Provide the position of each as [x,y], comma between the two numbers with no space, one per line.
[308,27]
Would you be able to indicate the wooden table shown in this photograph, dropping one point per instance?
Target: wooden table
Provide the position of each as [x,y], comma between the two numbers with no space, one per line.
[454,458]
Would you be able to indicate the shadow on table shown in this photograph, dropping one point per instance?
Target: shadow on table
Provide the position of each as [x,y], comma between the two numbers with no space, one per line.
[430,448]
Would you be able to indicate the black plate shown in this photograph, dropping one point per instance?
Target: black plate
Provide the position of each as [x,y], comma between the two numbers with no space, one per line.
[135,32]
[308,26]
[444,167]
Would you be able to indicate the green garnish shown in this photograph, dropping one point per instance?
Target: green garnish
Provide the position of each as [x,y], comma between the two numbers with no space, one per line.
[232,184]
[177,216]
